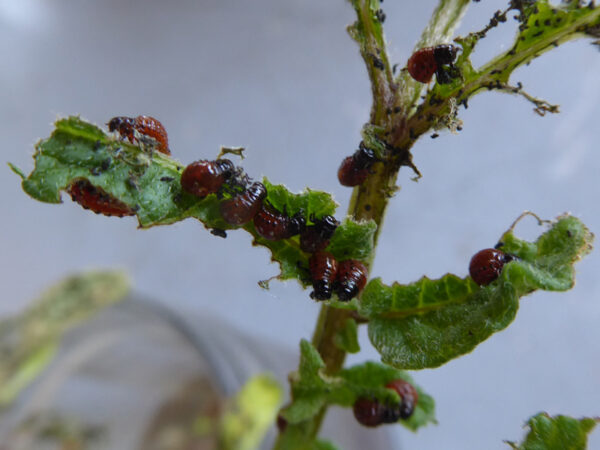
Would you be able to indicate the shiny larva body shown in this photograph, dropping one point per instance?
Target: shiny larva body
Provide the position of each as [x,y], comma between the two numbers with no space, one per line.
[368,412]
[429,60]
[323,270]
[243,207]
[97,200]
[274,226]
[354,169]
[486,265]
[408,394]
[144,129]
[351,279]
[316,237]
[371,413]
[202,178]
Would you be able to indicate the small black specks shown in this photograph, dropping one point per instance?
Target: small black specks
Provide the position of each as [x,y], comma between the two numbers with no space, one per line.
[539,33]
[397,109]
[380,15]
[377,63]
[459,128]
[367,207]
[434,136]
[547,22]
[394,68]
[219,232]
[537,22]
[166,179]
[388,111]
[106,164]
[569,233]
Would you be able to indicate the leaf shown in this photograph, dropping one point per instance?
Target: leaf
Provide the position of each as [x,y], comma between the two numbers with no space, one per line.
[556,433]
[429,322]
[347,337]
[251,413]
[149,184]
[311,389]
[28,342]
[544,26]
[353,240]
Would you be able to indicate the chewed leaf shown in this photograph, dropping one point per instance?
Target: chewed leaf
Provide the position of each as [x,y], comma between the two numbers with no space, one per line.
[429,322]
[309,202]
[149,185]
[353,240]
[544,25]
[556,433]
[311,389]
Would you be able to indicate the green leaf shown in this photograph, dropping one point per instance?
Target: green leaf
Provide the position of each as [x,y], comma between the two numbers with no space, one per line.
[347,337]
[556,433]
[311,389]
[544,26]
[150,185]
[429,322]
[250,414]
[353,240]
[29,341]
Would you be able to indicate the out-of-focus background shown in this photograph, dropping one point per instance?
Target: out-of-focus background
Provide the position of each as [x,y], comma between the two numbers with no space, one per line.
[284,80]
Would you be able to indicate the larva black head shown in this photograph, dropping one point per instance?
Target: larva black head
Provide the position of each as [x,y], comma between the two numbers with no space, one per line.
[297,223]
[225,167]
[391,413]
[256,191]
[444,54]
[327,226]
[322,290]
[116,123]
[408,394]
[364,157]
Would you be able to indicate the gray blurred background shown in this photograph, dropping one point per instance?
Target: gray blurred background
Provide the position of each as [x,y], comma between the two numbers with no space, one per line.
[283,79]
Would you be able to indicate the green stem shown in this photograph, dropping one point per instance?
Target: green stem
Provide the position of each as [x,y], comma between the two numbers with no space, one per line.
[369,201]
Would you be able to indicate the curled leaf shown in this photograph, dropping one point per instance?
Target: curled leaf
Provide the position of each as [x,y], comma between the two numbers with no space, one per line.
[429,322]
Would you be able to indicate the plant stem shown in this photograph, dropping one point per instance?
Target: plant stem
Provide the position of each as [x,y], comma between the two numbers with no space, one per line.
[369,201]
